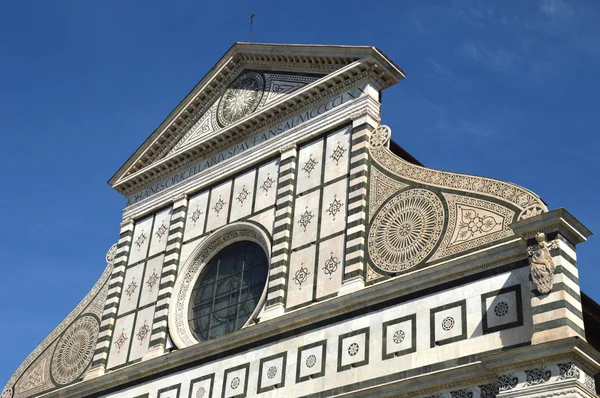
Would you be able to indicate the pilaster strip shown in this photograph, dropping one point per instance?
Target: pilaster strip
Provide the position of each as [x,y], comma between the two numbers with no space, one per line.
[280,255]
[109,315]
[158,338]
[357,201]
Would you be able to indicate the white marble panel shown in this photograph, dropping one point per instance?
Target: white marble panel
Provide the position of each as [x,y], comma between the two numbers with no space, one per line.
[337,154]
[311,361]
[310,166]
[266,187]
[121,341]
[501,309]
[353,349]
[141,240]
[266,219]
[170,393]
[196,213]
[272,372]
[151,283]
[301,277]
[141,333]
[235,383]
[399,336]
[448,323]
[202,388]
[218,208]
[131,288]
[243,193]
[160,232]
[188,248]
[333,212]
[330,266]
[306,219]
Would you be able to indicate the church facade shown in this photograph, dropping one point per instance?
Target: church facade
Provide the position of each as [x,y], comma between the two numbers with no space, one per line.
[276,243]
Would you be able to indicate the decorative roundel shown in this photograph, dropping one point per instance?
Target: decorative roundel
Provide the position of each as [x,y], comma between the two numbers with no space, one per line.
[380,136]
[201,392]
[353,349]
[405,230]
[399,336]
[448,323]
[272,372]
[501,309]
[7,393]
[241,98]
[311,361]
[235,383]
[111,254]
[75,350]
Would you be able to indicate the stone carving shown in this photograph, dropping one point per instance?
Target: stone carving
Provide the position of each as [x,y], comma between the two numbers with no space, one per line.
[353,349]
[95,298]
[301,276]
[311,361]
[448,323]
[382,187]
[511,193]
[568,371]
[235,383]
[541,264]
[537,376]
[399,336]
[507,382]
[472,222]
[75,349]
[380,136]
[501,309]
[33,378]
[405,230]
[531,211]
[241,98]
[111,254]
[373,275]
[272,372]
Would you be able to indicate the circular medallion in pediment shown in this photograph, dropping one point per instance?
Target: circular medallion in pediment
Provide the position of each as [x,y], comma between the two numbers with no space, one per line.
[241,98]
[75,349]
[405,230]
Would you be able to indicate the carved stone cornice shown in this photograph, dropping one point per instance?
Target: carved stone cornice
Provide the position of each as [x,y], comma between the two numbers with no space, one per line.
[559,220]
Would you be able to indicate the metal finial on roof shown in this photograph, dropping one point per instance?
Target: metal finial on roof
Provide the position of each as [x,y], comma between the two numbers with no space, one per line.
[251,18]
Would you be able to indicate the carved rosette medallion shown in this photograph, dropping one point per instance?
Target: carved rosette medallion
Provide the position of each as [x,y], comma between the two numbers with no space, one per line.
[380,136]
[75,350]
[111,254]
[405,230]
[241,98]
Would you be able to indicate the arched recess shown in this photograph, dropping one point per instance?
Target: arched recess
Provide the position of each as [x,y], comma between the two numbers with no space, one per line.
[179,328]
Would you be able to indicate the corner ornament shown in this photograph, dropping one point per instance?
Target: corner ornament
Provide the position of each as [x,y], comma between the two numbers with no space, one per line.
[541,264]
[380,136]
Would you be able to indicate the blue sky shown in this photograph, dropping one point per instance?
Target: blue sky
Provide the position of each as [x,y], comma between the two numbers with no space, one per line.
[507,89]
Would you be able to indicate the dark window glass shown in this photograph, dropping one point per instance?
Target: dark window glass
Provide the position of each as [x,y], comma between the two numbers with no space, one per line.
[228,290]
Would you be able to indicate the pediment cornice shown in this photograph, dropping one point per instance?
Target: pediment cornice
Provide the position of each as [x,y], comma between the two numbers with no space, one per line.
[336,64]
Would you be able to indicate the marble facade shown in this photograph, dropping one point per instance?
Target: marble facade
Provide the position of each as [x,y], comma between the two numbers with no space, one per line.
[385,278]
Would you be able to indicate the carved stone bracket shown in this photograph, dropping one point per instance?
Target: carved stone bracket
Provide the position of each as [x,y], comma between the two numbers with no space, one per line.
[541,264]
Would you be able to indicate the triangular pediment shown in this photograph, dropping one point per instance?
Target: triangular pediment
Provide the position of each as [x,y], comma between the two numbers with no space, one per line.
[250,92]
[251,85]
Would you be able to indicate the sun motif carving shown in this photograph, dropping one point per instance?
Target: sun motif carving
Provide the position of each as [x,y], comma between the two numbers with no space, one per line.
[309,165]
[331,265]
[405,230]
[334,207]
[448,323]
[121,340]
[272,372]
[140,240]
[338,153]
[353,349]
[241,98]
[380,136]
[501,309]
[143,333]
[131,289]
[243,195]
[235,383]
[267,184]
[473,224]
[219,205]
[398,336]
[305,218]
[75,350]
[152,279]
[301,276]
[196,215]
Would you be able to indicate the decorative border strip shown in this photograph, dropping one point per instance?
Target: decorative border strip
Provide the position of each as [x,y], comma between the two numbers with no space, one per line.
[282,227]
[158,337]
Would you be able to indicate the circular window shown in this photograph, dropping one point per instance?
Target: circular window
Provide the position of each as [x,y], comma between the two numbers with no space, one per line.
[228,290]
